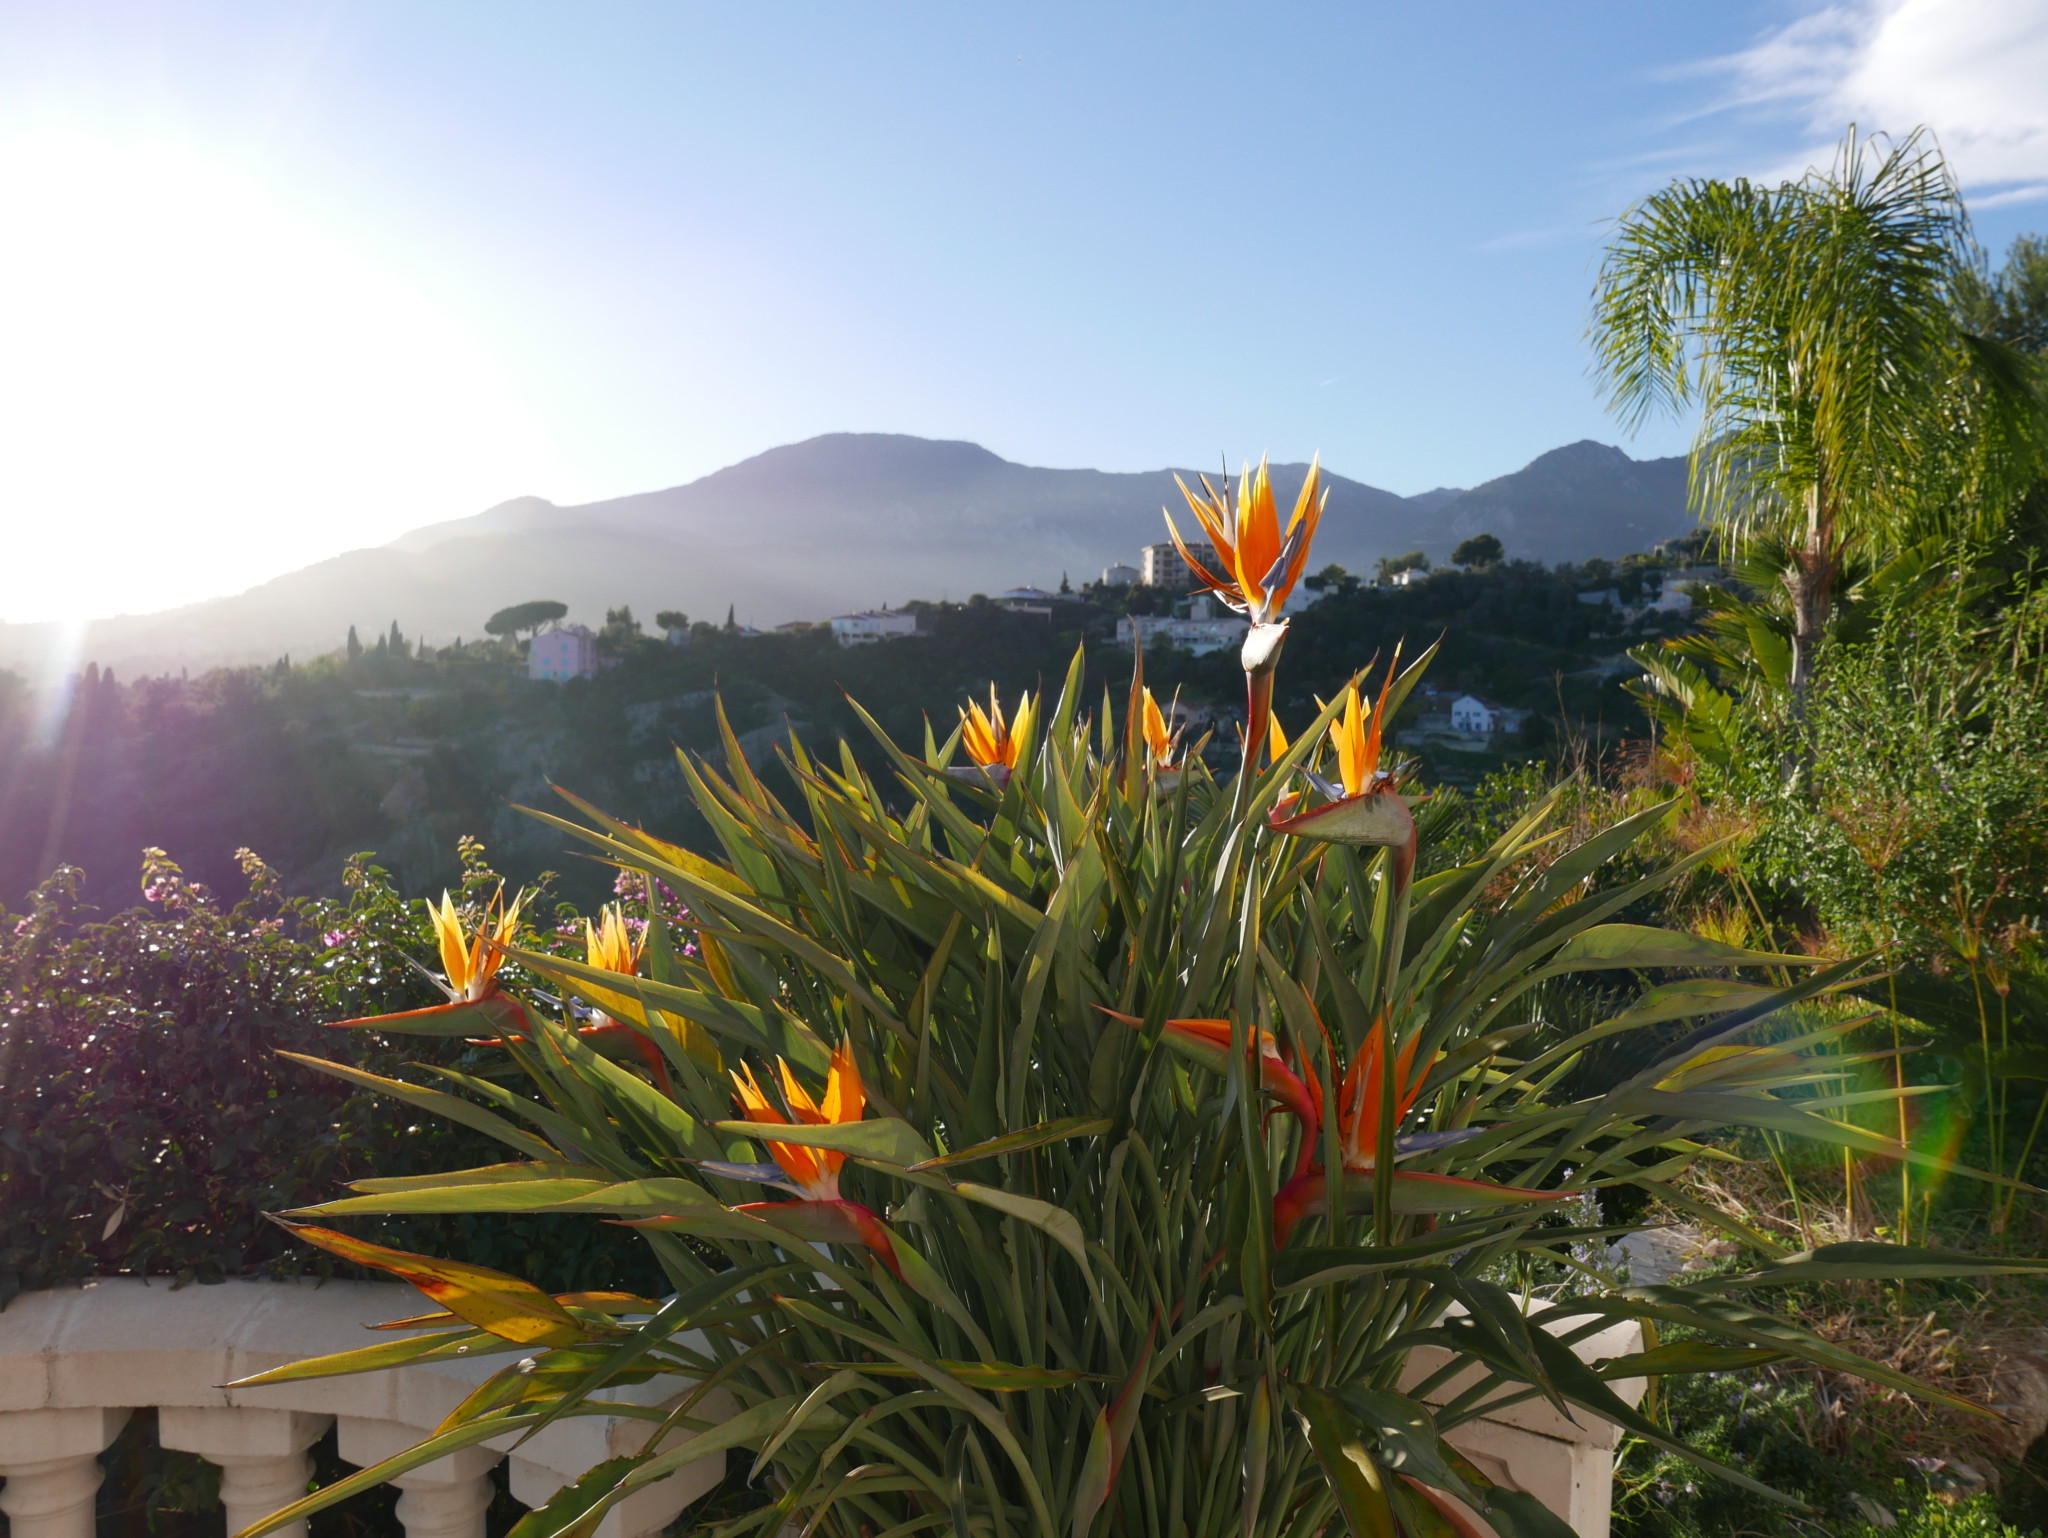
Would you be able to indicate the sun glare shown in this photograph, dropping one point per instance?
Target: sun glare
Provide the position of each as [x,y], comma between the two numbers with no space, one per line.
[204,386]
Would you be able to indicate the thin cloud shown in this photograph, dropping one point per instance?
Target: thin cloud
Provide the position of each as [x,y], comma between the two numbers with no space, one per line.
[1973,71]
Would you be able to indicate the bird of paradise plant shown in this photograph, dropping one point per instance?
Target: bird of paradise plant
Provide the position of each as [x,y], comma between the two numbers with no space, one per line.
[1261,564]
[1276,738]
[469,965]
[615,1018]
[1206,1041]
[1362,806]
[1372,1102]
[992,742]
[1213,1234]
[1161,742]
[810,1175]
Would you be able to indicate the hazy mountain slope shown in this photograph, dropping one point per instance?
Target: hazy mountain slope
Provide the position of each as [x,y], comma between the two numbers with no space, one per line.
[878,511]
[1572,504]
[838,522]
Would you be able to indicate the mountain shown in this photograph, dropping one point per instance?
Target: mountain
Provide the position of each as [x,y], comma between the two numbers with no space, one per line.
[848,520]
[1574,503]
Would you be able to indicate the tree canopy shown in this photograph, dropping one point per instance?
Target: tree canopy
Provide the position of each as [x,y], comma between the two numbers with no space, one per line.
[1479,550]
[525,616]
[1391,566]
[1816,327]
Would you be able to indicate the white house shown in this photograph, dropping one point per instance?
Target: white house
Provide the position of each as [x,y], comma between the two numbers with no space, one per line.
[1482,718]
[1674,598]
[1163,566]
[1116,574]
[1411,576]
[1195,635]
[872,625]
[1302,598]
[556,655]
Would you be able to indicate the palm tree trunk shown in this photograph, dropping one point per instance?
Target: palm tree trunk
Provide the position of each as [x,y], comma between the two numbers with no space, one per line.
[1811,586]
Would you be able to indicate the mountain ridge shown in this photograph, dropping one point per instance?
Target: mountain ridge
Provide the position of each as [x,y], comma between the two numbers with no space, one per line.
[840,521]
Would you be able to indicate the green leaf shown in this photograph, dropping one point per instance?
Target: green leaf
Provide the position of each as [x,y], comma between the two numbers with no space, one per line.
[1017,1142]
[663,1114]
[1096,1477]
[1685,1356]
[1407,1438]
[575,1510]
[887,1139]
[1354,1476]
[746,1429]
[489,1174]
[663,1193]
[996,1377]
[473,1196]
[1563,1375]
[1689,997]
[453,1107]
[1055,1222]
[1637,945]
[1518,1514]
[1296,1269]
[1881,1262]
[459,1344]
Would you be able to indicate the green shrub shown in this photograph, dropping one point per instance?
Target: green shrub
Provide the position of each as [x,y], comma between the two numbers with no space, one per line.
[146,1122]
[1103,1009]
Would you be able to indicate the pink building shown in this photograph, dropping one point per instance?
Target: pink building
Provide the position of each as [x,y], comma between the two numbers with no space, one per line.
[570,652]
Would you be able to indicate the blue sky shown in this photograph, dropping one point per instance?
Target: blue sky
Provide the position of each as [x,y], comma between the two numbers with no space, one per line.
[297,277]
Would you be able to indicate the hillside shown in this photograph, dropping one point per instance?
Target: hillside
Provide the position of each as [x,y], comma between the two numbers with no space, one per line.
[837,522]
[1584,500]
[402,754]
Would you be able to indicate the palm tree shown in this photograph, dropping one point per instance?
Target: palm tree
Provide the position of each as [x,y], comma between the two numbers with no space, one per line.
[1814,325]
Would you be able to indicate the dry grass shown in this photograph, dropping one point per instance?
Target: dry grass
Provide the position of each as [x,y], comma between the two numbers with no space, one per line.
[1971,1344]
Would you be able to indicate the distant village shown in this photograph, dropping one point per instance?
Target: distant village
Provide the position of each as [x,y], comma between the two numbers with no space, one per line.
[1201,625]
[1196,623]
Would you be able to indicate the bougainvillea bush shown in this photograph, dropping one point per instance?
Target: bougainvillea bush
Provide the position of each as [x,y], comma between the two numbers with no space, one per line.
[147,1122]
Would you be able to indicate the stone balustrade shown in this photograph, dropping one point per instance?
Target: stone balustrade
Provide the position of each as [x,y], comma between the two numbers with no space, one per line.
[75,1363]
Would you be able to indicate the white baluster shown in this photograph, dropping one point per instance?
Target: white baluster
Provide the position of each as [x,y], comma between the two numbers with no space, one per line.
[261,1453]
[51,1459]
[443,1499]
